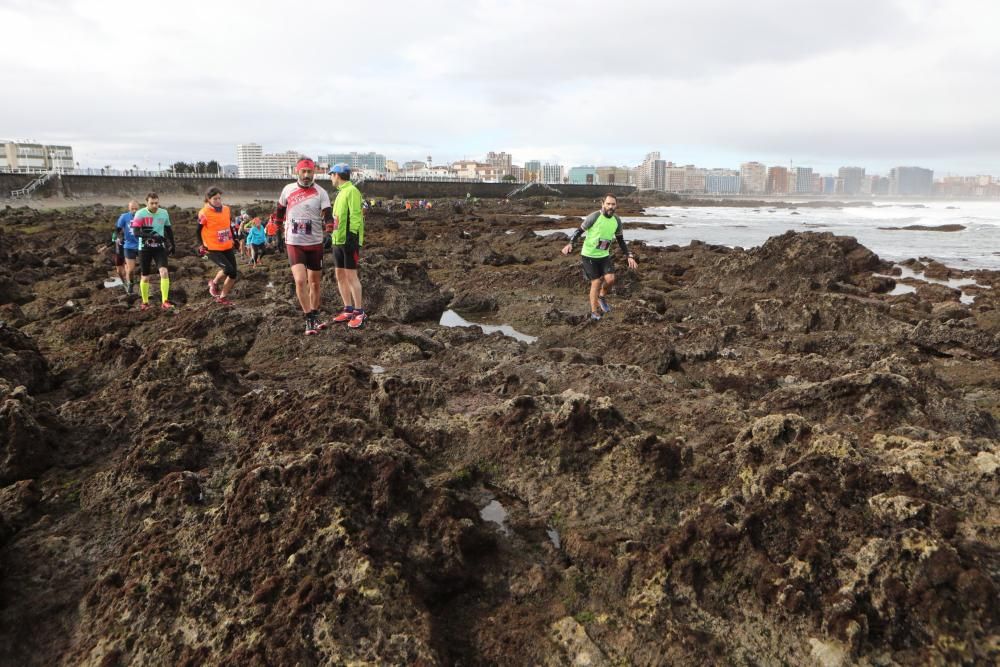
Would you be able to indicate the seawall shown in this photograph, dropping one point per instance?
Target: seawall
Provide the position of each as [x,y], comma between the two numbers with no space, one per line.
[69,186]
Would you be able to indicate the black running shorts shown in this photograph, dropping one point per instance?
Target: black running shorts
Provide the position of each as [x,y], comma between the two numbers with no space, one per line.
[310,255]
[149,255]
[347,256]
[594,268]
[225,260]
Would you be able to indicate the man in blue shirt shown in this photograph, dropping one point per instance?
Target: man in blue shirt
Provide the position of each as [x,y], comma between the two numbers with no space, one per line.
[126,245]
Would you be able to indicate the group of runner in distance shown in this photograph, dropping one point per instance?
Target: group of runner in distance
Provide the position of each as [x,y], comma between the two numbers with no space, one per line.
[306,214]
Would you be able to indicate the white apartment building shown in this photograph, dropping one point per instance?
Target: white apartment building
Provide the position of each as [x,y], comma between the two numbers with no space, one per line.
[32,157]
[552,173]
[279,165]
[753,178]
[248,160]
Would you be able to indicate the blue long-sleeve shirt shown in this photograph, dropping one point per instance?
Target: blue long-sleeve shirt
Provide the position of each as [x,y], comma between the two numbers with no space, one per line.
[124,229]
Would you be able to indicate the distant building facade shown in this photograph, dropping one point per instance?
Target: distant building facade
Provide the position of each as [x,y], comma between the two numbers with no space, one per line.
[777,181]
[501,162]
[852,177]
[753,178]
[248,160]
[32,157]
[583,175]
[371,161]
[552,173]
[908,181]
[722,182]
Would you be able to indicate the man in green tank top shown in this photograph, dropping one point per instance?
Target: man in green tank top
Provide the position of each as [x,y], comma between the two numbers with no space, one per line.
[601,228]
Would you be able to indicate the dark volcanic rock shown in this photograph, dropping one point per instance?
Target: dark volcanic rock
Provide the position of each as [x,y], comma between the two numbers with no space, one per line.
[756,457]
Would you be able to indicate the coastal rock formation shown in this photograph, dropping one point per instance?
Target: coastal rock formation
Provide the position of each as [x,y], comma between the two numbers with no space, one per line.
[758,457]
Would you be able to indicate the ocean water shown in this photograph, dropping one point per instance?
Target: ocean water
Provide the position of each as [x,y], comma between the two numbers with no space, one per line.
[975,247]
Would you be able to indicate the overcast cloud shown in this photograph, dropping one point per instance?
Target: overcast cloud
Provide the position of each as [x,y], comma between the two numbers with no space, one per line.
[870,82]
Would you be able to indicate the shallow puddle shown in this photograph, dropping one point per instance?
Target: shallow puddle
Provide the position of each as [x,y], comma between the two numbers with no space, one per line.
[377,370]
[554,537]
[117,282]
[450,318]
[496,513]
[954,283]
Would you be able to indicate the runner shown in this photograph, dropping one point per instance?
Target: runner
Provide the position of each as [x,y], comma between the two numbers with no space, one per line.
[127,245]
[241,223]
[348,235]
[156,241]
[272,231]
[303,207]
[215,236]
[601,227]
[256,240]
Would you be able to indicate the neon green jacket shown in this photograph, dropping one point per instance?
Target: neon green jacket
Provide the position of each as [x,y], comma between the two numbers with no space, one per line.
[348,215]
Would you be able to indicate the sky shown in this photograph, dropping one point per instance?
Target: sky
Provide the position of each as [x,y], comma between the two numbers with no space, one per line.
[873,83]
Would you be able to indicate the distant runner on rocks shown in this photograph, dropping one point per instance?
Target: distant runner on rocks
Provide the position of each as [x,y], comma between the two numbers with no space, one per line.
[156,241]
[303,208]
[348,235]
[215,235]
[599,229]
[127,245]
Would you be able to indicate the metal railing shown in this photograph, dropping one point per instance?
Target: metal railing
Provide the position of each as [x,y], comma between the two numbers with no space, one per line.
[26,191]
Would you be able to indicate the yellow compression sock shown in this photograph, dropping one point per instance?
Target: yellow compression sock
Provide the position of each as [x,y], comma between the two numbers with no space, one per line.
[164,289]
[144,291]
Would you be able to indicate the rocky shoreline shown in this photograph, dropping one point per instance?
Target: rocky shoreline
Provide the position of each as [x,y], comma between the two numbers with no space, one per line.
[760,457]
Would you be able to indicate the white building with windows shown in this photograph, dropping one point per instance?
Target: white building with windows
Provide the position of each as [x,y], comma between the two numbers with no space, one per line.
[552,173]
[249,160]
[32,157]
[753,177]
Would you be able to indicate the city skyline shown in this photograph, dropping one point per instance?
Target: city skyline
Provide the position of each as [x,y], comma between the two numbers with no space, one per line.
[879,83]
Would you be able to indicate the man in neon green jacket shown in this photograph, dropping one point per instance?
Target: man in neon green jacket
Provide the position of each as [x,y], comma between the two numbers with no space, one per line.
[348,235]
[601,228]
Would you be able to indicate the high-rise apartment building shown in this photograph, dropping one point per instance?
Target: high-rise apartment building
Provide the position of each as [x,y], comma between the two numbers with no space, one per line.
[777,181]
[911,181]
[248,160]
[753,178]
[552,173]
[502,162]
[652,173]
[800,180]
[852,177]
[279,165]
[533,170]
[722,181]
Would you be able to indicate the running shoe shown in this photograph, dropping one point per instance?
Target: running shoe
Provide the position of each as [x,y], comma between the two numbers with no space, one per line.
[311,329]
[166,305]
[144,306]
[128,287]
[605,306]
[213,289]
[223,301]
[320,323]
[596,317]
[343,316]
[358,320]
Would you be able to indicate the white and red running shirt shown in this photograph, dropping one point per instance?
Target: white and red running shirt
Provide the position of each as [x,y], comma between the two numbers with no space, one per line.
[304,214]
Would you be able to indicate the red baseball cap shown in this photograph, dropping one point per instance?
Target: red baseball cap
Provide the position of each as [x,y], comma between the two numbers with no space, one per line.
[305,163]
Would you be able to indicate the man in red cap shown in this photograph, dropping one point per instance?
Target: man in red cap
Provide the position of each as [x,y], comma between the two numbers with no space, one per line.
[304,209]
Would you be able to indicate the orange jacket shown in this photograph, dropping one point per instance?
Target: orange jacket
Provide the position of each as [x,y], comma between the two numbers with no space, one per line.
[215,231]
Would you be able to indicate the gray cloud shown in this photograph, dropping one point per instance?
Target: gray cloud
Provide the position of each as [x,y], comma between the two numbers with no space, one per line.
[585,81]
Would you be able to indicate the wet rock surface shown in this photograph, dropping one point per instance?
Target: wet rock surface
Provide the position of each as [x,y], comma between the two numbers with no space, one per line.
[758,457]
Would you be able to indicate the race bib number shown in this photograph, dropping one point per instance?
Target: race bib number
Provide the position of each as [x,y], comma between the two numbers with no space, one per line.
[604,244]
[223,235]
[302,227]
